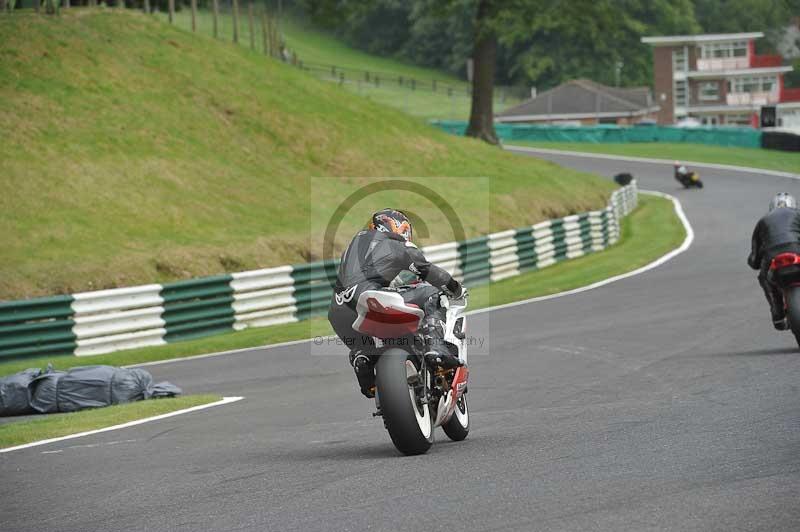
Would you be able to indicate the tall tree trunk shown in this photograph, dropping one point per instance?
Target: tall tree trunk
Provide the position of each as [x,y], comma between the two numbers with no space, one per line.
[484,56]
[216,16]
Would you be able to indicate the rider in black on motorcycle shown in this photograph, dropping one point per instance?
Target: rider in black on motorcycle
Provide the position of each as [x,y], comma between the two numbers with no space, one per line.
[777,232]
[372,260]
[686,177]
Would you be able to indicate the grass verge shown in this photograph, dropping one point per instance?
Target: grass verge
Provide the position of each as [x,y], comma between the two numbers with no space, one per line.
[159,155]
[783,161]
[649,232]
[55,425]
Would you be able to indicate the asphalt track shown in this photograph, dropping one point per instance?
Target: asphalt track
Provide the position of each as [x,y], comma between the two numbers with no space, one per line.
[661,402]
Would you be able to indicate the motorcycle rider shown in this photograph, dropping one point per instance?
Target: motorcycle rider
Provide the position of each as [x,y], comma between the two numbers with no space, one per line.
[777,232]
[372,260]
[682,174]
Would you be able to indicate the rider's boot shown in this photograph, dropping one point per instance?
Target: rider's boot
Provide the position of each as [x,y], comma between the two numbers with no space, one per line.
[779,320]
[365,372]
[775,300]
[438,354]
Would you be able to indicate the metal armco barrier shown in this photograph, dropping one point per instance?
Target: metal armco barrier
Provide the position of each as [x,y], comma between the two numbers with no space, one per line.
[92,323]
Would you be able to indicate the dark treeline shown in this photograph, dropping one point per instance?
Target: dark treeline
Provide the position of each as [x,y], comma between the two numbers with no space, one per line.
[543,42]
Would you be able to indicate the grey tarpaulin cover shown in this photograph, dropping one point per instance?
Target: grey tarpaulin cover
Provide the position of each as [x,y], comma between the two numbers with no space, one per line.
[88,387]
[15,393]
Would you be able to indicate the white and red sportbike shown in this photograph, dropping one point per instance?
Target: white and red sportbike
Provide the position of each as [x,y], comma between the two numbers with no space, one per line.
[412,396]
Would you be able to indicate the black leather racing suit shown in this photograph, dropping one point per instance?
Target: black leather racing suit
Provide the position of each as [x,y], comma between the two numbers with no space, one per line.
[777,232]
[372,260]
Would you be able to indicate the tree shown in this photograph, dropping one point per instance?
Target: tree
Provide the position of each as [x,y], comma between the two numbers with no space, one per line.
[731,16]
[484,60]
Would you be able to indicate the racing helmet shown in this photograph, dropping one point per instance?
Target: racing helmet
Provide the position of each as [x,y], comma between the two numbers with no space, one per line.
[782,199]
[391,221]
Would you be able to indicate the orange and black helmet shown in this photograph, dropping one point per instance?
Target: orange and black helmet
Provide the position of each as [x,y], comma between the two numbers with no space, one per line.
[391,221]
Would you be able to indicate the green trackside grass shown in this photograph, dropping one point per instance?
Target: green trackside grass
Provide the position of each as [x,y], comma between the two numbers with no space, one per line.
[751,157]
[314,47]
[134,152]
[648,233]
[55,425]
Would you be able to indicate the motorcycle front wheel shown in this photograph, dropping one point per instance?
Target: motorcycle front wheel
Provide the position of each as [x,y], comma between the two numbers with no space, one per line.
[407,419]
[457,427]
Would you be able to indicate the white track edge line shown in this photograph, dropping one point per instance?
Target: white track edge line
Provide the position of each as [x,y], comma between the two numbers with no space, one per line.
[223,401]
[590,155]
[687,242]
[675,252]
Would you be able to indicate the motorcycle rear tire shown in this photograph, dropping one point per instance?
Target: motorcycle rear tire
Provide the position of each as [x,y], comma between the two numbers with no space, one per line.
[792,296]
[409,424]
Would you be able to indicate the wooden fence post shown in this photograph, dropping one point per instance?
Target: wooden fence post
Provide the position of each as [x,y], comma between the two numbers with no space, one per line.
[216,16]
[236,21]
[194,15]
[171,10]
[273,47]
[147,6]
[251,25]
[264,31]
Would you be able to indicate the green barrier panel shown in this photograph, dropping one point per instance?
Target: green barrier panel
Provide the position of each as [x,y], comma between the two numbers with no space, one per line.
[199,329]
[720,136]
[586,236]
[313,287]
[48,349]
[526,252]
[197,307]
[36,309]
[560,251]
[41,326]
[474,260]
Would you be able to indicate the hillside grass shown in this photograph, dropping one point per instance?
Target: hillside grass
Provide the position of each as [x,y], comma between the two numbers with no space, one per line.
[651,231]
[314,48]
[135,152]
[750,157]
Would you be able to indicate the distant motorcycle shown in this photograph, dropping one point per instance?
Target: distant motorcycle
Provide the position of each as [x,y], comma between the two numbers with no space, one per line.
[686,178]
[784,270]
[412,396]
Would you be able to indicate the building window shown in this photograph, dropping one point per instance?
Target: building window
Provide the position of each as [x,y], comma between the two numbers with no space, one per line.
[679,60]
[753,84]
[738,120]
[680,93]
[720,50]
[708,91]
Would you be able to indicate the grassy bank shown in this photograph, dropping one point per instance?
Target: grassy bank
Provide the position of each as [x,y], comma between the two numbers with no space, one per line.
[751,157]
[135,152]
[648,233]
[316,49]
[56,425]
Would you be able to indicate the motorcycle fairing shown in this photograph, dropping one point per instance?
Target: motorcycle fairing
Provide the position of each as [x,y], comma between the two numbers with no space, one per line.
[386,315]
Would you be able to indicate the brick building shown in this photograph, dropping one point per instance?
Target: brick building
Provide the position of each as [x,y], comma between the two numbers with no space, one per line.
[719,79]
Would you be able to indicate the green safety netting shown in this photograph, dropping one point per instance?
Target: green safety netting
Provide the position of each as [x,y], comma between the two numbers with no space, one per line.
[720,136]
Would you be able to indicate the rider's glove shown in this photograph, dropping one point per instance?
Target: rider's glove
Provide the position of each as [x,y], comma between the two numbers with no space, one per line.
[455,289]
